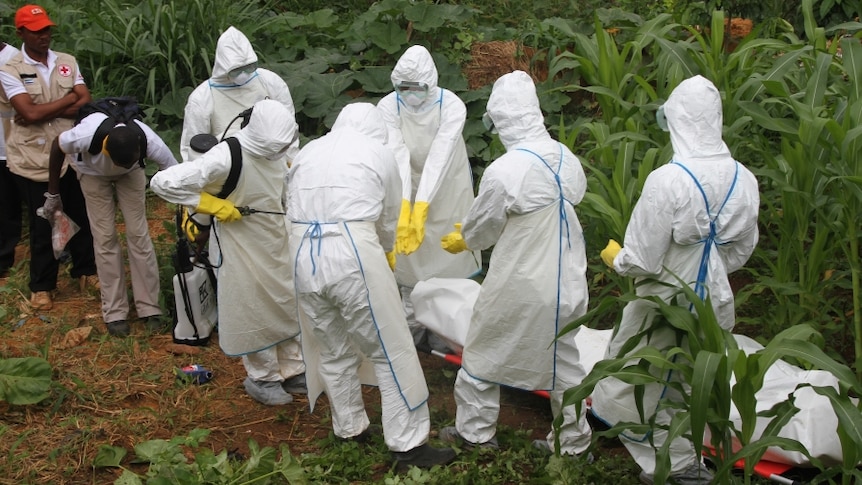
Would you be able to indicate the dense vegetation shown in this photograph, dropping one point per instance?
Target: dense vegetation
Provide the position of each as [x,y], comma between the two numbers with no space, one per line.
[792,93]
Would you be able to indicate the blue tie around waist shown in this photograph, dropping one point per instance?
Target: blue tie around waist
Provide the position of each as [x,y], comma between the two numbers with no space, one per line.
[711,239]
[564,222]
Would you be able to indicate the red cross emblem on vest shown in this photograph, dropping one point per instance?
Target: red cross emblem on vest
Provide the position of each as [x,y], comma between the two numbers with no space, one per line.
[64,70]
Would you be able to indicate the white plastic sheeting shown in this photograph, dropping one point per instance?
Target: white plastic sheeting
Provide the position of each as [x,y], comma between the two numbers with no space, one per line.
[445,306]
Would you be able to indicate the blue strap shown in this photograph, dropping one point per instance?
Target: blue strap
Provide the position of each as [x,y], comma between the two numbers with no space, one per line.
[711,239]
[563,217]
[313,232]
[399,102]
[564,221]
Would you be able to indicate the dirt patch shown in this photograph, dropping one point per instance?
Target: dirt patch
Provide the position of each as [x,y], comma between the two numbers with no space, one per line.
[121,392]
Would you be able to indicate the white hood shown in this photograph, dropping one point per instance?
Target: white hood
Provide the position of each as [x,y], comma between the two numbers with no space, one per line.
[270,130]
[694,117]
[233,50]
[514,108]
[363,118]
[417,65]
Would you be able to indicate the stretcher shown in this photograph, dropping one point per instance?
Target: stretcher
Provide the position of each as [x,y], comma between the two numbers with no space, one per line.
[444,306]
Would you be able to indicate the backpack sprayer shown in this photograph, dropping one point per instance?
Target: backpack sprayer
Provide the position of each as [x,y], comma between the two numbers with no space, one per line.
[194,291]
[195,281]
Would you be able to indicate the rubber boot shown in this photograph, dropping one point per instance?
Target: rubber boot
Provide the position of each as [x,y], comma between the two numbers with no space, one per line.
[423,456]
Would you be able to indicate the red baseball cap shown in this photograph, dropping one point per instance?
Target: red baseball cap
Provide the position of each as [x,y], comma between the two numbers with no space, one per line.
[32,18]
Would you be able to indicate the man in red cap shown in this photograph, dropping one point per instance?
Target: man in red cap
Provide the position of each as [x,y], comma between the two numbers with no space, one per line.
[45,88]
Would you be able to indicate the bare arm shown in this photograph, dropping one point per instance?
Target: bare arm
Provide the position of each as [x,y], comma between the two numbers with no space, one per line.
[55,165]
[84,97]
[28,112]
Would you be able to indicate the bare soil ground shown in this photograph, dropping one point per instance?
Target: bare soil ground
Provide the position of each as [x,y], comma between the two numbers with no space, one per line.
[122,392]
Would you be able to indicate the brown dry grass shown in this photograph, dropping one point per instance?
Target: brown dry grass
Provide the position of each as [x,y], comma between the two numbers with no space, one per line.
[490,60]
[122,392]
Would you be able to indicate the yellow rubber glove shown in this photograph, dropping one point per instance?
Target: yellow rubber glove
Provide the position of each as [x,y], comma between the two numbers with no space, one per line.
[454,241]
[195,231]
[417,226]
[222,209]
[390,258]
[610,252]
[402,230]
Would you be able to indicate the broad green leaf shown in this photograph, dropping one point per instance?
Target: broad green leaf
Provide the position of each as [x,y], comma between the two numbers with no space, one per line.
[109,456]
[428,17]
[290,468]
[325,94]
[388,36]
[374,79]
[128,477]
[24,380]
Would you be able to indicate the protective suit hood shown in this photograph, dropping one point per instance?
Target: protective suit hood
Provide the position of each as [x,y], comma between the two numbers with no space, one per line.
[417,65]
[270,130]
[363,118]
[694,117]
[514,108]
[233,50]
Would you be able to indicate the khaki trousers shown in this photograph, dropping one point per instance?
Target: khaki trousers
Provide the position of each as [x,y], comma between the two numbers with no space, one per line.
[130,192]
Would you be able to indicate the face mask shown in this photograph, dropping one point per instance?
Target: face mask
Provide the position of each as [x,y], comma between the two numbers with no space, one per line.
[660,119]
[281,153]
[414,99]
[242,78]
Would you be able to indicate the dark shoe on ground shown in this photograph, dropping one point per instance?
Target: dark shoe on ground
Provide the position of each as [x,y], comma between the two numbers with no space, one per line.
[543,445]
[697,474]
[89,281]
[423,456]
[367,435]
[120,328]
[268,393]
[295,385]
[154,324]
[41,300]
[450,434]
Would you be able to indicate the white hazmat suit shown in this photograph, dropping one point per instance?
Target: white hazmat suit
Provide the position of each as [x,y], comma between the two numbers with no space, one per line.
[257,307]
[536,281]
[425,135]
[669,234]
[344,195]
[218,100]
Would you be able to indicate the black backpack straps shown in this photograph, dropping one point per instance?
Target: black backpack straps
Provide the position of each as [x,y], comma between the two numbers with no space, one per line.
[107,125]
[99,135]
[142,140]
[235,168]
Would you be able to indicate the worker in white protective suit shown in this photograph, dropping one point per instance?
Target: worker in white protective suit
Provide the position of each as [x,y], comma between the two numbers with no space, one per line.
[536,281]
[696,219]
[344,196]
[215,106]
[425,132]
[235,85]
[257,316]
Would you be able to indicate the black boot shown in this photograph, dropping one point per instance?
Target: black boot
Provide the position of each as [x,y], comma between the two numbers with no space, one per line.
[423,456]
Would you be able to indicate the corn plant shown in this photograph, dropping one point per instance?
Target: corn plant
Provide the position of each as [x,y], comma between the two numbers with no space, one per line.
[811,224]
[703,362]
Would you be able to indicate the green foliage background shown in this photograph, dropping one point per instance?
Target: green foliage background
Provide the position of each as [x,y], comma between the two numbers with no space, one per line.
[792,100]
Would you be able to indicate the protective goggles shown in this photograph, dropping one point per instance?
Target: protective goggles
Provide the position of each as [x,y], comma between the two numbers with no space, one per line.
[248,69]
[660,119]
[489,123]
[411,87]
